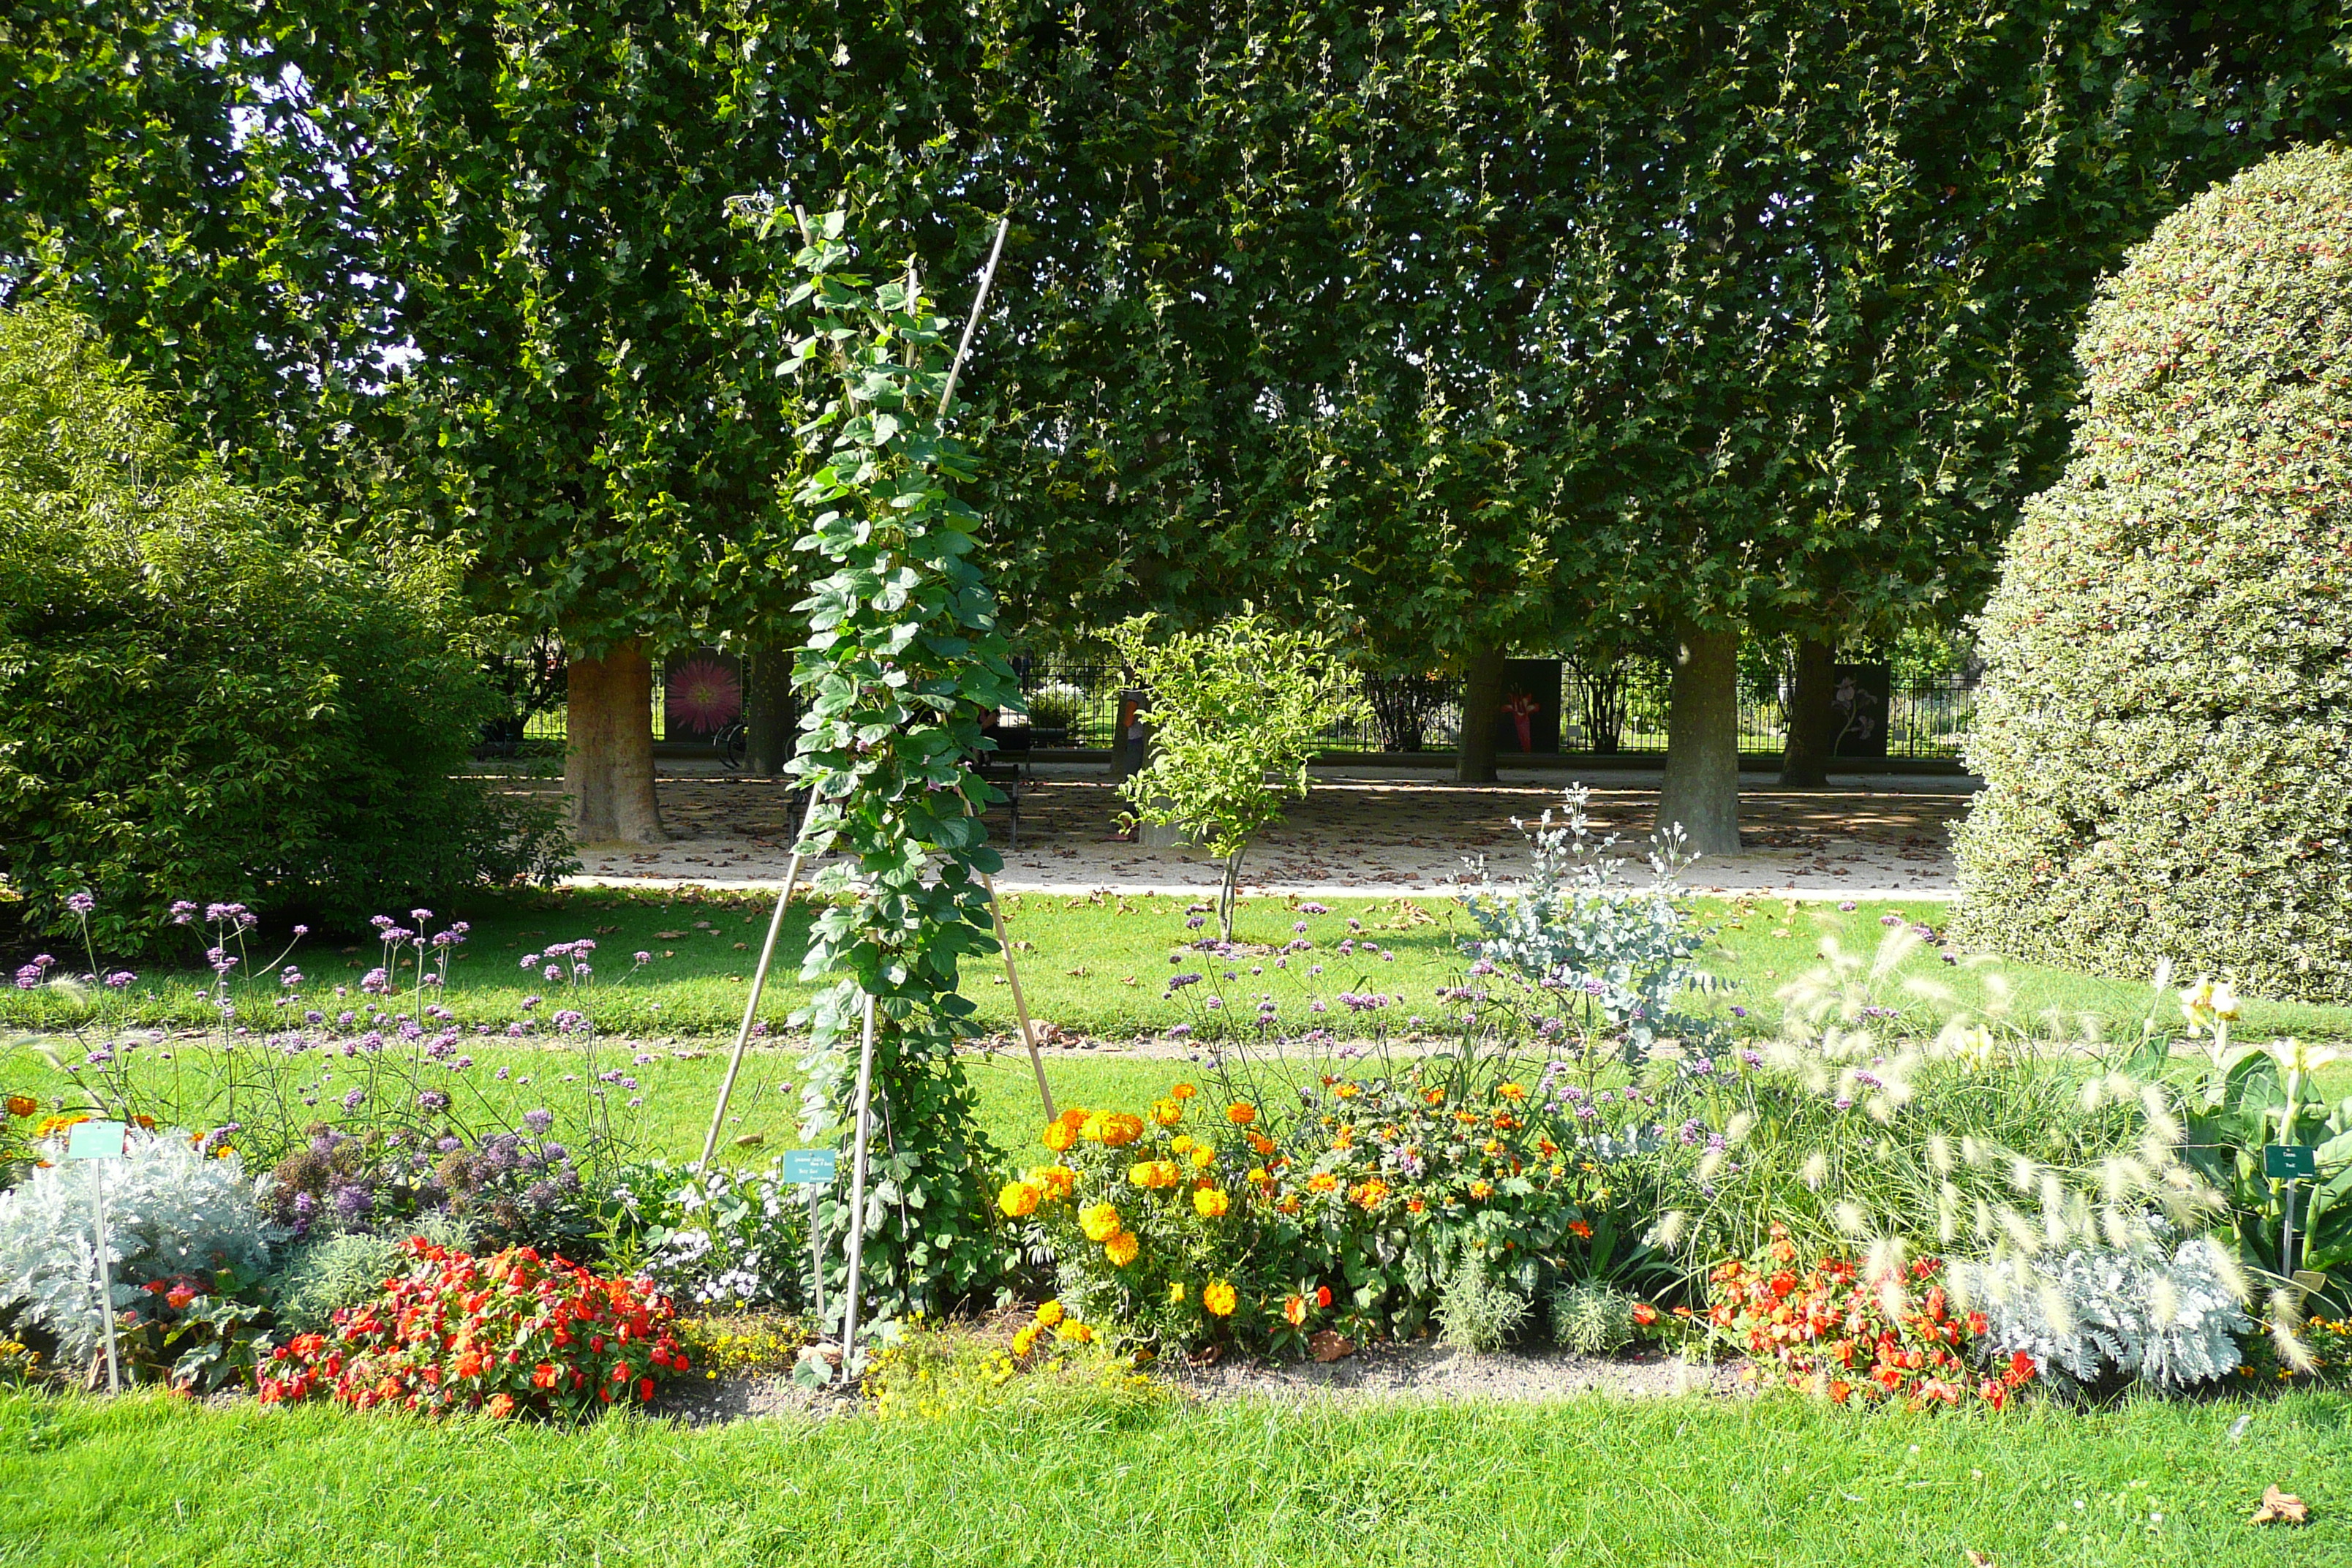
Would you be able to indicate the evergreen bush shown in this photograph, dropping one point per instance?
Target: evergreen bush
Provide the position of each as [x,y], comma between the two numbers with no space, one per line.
[203,701]
[2165,730]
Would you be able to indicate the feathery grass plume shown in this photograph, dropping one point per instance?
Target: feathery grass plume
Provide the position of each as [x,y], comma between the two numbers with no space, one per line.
[1939,1154]
[1852,1221]
[2284,1322]
[1815,1171]
[1673,1226]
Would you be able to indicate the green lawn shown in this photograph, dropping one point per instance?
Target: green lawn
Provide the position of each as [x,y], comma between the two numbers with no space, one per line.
[1094,964]
[1094,1484]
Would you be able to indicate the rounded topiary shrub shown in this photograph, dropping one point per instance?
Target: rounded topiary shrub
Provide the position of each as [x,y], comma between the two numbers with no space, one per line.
[2165,728]
[199,698]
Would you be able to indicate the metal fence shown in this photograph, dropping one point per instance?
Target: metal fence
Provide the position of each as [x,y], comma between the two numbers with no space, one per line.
[1616,711]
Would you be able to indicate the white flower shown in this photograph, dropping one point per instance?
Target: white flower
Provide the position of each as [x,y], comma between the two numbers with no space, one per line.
[2293,1055]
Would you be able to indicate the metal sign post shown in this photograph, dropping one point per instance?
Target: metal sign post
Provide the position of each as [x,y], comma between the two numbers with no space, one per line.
[813,1169]
[2288,1162]
[99,1141]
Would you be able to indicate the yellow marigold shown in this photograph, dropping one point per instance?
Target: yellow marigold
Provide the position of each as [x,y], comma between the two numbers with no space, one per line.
[1367,1195]
[1154,1174]
[1075,1332]
[1240,1113]
[1322,1182]
[1024,1339]
[1093,1127]
[49,1126]
[1121,1249]
[1182,1091]
[1177,1294]
[1018,1200]
[1058,1136]
[1258,1177]
[1289,1204]
[1167,1112]
[1049,1313]
[1119,1129]
[1348,1089]
[1179,1144]
[1218,1298]
[1059,1180]
[1294,1310]
[1211,1202]
[1099,1221]
[1492,1146]
[1204,1156]
[1482,1189]
[1512,1092]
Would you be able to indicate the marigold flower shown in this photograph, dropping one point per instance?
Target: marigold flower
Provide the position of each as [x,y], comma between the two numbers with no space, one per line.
[1482,1189]
[1204,1156]
[23,1105]
[1024,1339]
[1059,1180]
[1098,1221]
[1240,1113]
[1018,1200]
[1182,1091]
[1181,1145]
[1211,1202]
[1415,1205]
[1075,1332]
[1049,1313]
[1167,1112]
[1122,1248]
[1512,1091]
[1644,1314]
[1219,1300]
[1178,1295]
[1295,1311]
[1263,1144]
[1058,1136]
[1368,1195]
[1578,1227]
[1323,1295]
[1119,1129]
[1322,1182]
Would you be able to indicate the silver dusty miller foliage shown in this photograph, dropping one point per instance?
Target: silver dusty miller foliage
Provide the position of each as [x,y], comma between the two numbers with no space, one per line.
[2170,1319]
[1622,955]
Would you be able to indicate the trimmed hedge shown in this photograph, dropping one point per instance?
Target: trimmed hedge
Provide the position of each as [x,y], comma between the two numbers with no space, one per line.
[2165,728]
[198,699]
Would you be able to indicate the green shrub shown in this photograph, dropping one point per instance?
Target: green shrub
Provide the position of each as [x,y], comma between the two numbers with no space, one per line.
[2165,730]
[1476,1312]
[1591,1319]
[346,1269]
[204,702]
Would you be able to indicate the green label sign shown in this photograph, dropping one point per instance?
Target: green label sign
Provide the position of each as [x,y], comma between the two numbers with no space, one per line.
[95,1140]
[806,1166]
[2285,1161]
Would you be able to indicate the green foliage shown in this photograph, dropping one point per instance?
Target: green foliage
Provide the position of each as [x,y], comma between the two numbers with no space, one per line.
[206,704]
[2270,1095]
[1237,713]
[903,658]
[321,1276]
[1476,1312]
[2165,724]
[1591,1319]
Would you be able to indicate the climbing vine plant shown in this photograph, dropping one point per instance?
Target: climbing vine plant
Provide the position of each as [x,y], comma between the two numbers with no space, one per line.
[903,658]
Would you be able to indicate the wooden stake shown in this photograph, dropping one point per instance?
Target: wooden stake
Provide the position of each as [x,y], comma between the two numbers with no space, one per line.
[759,984]
[857,1195]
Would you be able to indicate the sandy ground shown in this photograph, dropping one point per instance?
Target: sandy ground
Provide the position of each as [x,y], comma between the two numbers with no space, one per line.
[1356,833]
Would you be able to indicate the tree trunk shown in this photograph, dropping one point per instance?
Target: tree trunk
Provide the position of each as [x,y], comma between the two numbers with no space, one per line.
[1482,700]
[768,715]
[1812,718]
[608,754]
[1701,784]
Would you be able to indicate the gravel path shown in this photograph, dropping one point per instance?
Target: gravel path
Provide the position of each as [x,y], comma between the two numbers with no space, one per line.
[1355,835]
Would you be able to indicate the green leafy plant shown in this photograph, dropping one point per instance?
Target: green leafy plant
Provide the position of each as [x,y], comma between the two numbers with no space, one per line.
[1237,712]
[322,1276]
[1476,1312]
[1591,1319]
[206,702]
[903,661]
[2267,1095]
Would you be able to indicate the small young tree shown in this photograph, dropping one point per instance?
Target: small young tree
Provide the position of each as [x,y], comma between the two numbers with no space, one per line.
[1235,712]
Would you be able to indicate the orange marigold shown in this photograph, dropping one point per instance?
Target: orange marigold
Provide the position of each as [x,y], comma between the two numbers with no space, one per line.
[1219,1299]
[1240,1113]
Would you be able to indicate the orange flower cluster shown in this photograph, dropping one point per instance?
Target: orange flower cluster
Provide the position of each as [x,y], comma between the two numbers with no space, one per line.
[1837,1332]
[501,1335]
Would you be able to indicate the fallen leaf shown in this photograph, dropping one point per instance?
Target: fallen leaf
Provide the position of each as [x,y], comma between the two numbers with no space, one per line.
[1979,1560]
[665,936]
[606,930]
[1328,1345]
[2281,1508]
[748,1140]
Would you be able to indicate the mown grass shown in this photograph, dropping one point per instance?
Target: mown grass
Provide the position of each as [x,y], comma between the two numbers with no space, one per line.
[1096,964]
[1103,1484]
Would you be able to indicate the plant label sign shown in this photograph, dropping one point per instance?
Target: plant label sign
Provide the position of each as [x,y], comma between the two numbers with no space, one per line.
[96,1141]
[806,1166]
[2286,1162]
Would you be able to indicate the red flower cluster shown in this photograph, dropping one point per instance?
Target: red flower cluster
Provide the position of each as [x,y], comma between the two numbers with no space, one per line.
[509,1333]
[1829,1330]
